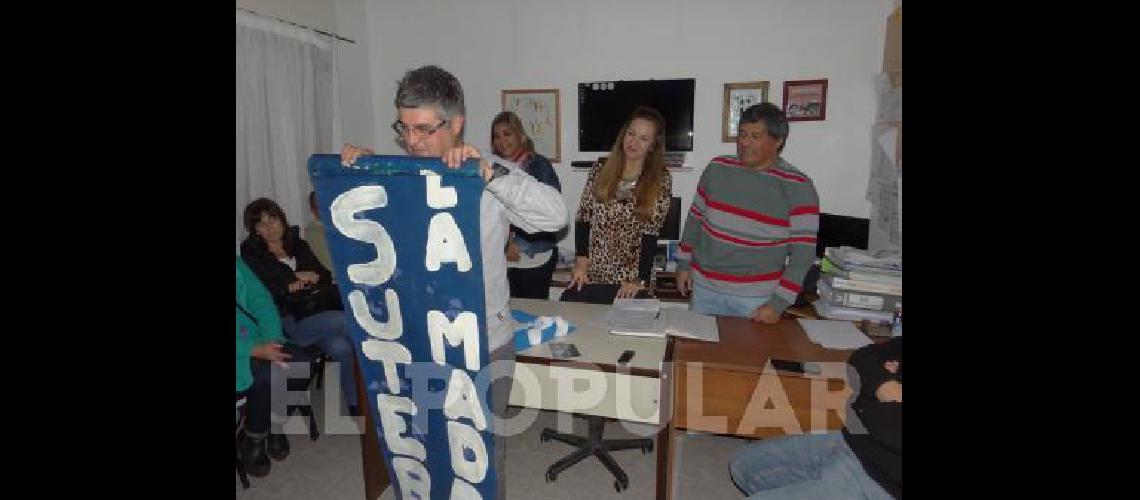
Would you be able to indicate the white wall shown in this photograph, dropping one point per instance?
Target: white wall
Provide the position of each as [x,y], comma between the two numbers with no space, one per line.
[502,44]
[354,75]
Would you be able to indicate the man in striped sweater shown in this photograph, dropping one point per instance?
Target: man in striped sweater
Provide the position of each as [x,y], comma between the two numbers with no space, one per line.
[750,236]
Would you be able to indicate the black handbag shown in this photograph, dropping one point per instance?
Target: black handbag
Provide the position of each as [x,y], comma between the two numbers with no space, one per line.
[312,300]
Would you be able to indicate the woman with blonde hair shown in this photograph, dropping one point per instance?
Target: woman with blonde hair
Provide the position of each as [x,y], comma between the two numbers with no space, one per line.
[621,212]
[531,257]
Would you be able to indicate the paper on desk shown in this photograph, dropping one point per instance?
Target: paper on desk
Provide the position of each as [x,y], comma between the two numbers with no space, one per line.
[636,317]
[834,334]
[690,325]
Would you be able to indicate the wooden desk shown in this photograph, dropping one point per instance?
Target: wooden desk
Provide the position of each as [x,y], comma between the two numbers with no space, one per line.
[712,391]
[723,388]
[641,391]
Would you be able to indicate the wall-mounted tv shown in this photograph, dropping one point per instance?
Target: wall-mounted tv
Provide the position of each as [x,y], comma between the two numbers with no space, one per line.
[604,106]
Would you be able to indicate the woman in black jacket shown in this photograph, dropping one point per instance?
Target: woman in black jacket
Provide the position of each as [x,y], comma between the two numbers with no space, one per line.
[285,264]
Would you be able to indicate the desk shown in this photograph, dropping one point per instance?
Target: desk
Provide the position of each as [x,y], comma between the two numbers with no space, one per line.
[632,392]
[715,383]
[712,380]
[641,391]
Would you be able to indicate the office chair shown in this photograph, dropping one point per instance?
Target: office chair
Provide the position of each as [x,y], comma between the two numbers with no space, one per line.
[593,443]
[316,376]
[237,440]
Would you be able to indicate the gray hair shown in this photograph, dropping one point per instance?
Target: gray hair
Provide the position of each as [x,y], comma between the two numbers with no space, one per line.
[431,86]
[774,120]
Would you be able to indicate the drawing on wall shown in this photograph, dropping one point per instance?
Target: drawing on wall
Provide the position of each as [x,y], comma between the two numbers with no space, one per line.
[737,98]
[403,233]
[539,111]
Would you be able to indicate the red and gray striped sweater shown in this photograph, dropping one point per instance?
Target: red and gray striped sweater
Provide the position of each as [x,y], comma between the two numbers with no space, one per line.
[749,232]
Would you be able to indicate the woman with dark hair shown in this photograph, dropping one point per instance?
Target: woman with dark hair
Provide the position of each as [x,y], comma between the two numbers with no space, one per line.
[623,206]
[285,264]
[531,257]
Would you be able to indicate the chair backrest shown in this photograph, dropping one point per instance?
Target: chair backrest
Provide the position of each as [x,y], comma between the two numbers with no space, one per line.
[238,410]
[671,227]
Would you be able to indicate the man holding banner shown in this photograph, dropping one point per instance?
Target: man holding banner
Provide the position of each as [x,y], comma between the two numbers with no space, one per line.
[429,101]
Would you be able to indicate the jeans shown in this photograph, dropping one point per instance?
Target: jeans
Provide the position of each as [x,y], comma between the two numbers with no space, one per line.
[804,466]
[328,330]
[260,408]
[708,301]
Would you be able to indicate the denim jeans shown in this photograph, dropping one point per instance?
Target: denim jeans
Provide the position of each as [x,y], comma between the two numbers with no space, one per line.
[803,466]
[260,408]
[328,330]
[708,301]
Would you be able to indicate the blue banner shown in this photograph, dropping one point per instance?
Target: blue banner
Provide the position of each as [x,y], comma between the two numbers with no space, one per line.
[403,234]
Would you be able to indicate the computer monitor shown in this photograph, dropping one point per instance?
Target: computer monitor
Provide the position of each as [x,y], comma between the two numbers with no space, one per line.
[841,230]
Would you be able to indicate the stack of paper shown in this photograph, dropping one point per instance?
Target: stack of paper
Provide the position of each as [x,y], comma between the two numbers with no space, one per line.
[829,311]
[690,325]
[641,317]
[834,334]
[646,318]
[857,285]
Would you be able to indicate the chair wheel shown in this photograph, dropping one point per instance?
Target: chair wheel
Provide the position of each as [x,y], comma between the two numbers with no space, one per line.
[619,486]
[545,436]
[647,448]
[551,476]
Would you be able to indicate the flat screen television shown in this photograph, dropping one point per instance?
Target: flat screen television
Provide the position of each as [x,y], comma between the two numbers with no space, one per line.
[604,106]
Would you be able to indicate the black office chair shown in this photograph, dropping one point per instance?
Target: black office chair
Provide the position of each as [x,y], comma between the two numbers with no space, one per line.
[316,376]
[237,440]
[593,443]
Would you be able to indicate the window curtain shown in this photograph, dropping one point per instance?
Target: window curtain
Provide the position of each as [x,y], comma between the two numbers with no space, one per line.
[285,113]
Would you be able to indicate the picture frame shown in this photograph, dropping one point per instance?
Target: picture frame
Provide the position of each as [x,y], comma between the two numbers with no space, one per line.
[737,98]
[805,100]
[541,115]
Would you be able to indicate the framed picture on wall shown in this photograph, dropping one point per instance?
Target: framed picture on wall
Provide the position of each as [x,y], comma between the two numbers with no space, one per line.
[805,100]
[737,98]
[541,116]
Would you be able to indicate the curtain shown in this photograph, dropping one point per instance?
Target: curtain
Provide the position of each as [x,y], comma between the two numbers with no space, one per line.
[285,101]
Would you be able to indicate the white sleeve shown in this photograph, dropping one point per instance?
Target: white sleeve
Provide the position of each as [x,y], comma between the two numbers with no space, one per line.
[531,205]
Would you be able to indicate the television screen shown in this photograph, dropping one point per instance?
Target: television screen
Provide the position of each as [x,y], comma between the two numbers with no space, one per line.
[604,106]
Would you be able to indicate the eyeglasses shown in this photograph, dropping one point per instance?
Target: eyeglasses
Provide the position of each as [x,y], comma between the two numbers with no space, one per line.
[418,130]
